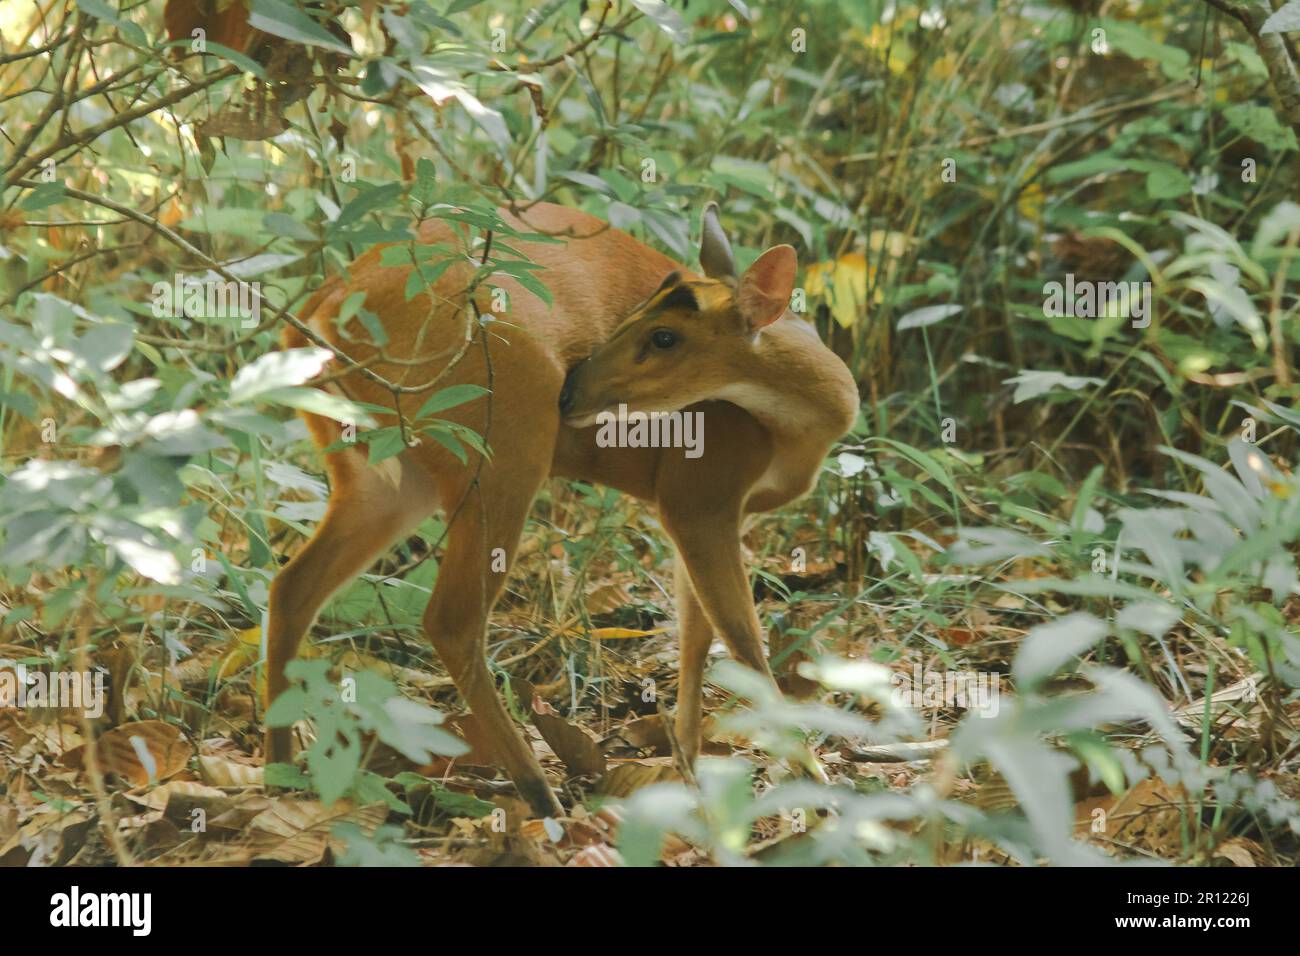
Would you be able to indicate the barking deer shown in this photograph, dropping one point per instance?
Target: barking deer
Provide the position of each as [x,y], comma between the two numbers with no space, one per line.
[629,330]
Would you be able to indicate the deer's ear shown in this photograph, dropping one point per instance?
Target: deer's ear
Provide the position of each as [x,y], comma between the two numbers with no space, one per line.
[764,291]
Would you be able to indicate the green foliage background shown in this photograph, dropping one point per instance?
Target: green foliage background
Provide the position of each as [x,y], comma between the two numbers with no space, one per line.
[936,165]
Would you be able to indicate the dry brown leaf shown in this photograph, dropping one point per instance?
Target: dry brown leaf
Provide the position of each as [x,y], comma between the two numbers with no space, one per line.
[482,757]
[625,779]
[158,797]
[1237,852]
[299,831]
[576,746]
[8,823]
[647,733]
[48,839]
[47,740]
[959,635]
[144,752]
[224,772]
[598,855]
[604,598]
[1148,817]
[351,661]
[243,808]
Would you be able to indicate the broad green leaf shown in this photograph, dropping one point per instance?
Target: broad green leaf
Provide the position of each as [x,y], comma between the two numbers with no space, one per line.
[450,397]
[277,370]
[666,18]
[928,315]
[282,18]
[1047,647]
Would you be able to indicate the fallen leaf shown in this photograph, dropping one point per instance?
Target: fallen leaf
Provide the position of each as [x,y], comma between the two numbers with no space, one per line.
[625,779]
[223,772]
[144,752]
[647,733]
[598,855]
[576,746]
[158,797]
[299,831]
[1237,852]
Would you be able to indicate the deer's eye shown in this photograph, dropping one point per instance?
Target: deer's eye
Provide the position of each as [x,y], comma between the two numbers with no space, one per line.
[663,338]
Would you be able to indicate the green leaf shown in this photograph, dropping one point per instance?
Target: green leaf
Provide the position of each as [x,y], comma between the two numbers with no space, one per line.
[283,19]
[333,762]
[1032,383]
[459,804]
[280,224]
[277,370]
[105,347]
[666,18]
[290,706]
[384,443]
[1083,502]
[442,83]
[1049,646]
[247,64]
[1167,181]
[102,11]
[1285,20]
[450,397]
[928,315]
[535,286]
[286,776]
[422,276]
[368,201]
[1139,42]
[326,404]
[591,182]
[448,441]
[426,181]
[651,814]
[46,194]
[924,461]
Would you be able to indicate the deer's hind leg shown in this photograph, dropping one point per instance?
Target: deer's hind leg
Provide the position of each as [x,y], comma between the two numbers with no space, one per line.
[370,507]
[489,514]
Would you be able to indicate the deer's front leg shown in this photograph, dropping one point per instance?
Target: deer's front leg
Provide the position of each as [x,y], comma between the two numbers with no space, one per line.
[700,504]
[694,635]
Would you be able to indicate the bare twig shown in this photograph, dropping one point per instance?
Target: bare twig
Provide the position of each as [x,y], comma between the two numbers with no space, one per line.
[1083,116]
[20,164]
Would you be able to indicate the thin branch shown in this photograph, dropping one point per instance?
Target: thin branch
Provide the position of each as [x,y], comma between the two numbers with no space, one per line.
[1033,129]
[309,333]
[1273,50]
[20,166]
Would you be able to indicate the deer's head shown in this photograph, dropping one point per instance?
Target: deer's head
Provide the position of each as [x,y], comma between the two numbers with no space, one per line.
[690,341]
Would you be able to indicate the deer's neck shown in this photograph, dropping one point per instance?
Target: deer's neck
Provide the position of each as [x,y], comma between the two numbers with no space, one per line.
[801,392]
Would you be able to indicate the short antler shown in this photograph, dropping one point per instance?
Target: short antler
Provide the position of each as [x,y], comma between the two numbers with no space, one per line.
[715,248]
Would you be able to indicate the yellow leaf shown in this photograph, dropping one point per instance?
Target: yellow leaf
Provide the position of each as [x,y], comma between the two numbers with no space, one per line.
[886,40]
[944,67]
[245,650]
[848,288]
[1030,202]
[893,243]
[613,633]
